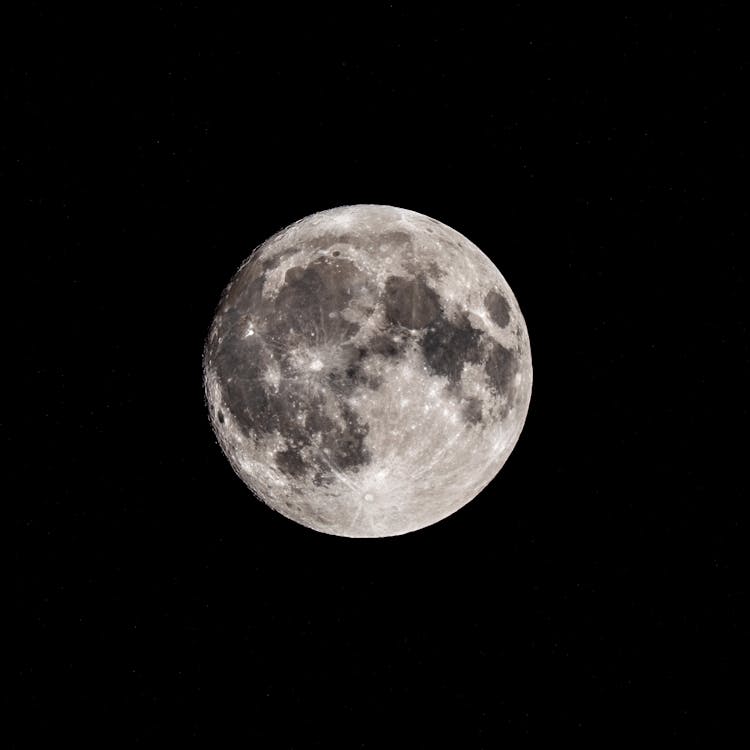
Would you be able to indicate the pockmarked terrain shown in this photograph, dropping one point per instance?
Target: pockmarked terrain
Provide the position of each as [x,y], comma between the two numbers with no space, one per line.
[368,371]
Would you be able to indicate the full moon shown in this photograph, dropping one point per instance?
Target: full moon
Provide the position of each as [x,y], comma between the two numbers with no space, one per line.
[368,371]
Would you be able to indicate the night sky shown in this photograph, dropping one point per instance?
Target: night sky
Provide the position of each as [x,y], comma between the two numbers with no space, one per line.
[593,590]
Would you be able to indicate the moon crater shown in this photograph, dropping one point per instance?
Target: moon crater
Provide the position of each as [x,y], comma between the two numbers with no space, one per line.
[368,371]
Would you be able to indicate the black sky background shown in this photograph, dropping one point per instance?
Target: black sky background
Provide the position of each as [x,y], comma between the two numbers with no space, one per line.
[593,590]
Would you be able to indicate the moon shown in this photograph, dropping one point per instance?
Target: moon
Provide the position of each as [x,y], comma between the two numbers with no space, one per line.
[368,371]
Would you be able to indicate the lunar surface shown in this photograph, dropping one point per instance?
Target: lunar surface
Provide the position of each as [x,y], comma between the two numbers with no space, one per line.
[368,371]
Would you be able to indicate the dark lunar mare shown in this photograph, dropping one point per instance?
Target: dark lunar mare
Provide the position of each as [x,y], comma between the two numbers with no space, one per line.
[498,308]
[472,410]
[307,309]
[410,302]
[308,297]
[448,345]
[302,333]
[295,410]
[501,367]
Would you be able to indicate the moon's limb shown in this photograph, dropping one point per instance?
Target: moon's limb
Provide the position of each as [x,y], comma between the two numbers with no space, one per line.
[368,371]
